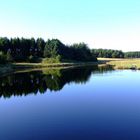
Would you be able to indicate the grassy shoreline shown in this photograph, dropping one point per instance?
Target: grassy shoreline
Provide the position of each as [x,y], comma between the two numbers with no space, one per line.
[10,68]
[122,63]
[116,63]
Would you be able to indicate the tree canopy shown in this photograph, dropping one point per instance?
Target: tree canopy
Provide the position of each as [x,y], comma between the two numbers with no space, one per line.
[22,50]
[132,55]
[108,53]
[33,50]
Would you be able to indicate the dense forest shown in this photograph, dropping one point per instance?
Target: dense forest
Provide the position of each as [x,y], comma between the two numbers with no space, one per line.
[108,53]
[132,55]
[33,50]
[36,50]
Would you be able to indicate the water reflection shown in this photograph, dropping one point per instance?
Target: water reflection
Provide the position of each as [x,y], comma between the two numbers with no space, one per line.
[40,81]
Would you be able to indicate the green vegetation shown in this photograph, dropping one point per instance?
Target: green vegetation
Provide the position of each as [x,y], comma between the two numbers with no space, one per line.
[51,60]
[34,51]
[108,53]
[126,64]
[104,53]
[132,55]
[3,59]
[122,63]
[37,53]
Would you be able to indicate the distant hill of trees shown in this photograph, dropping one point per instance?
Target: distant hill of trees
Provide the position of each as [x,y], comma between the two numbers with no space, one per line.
[108,53]
[105,53]
[132,55]
[31,50]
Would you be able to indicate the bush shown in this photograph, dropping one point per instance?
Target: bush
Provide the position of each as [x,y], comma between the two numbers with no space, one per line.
[9,57]
[3,59]
[57,59]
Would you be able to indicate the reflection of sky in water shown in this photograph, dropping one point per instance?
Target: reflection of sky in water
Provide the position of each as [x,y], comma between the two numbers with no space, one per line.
[106,107]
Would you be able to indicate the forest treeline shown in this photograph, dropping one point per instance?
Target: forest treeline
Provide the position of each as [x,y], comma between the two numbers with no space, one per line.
[33,50]
[132,54]
[108,53]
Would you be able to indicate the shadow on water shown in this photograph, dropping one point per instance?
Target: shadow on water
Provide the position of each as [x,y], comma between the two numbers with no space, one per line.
[40,81]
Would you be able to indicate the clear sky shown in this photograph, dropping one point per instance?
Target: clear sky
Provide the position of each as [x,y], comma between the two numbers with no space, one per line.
[111,24]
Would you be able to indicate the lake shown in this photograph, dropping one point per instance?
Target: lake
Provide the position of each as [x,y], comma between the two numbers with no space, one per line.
[83,103]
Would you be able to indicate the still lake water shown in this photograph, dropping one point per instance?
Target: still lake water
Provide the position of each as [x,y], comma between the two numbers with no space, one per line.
[84,103]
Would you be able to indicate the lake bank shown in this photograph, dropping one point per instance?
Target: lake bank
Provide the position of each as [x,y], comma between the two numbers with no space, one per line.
[115,63]
[10,68]
[122,63]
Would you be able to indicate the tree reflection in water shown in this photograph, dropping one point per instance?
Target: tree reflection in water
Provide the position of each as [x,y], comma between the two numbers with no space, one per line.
[39,81]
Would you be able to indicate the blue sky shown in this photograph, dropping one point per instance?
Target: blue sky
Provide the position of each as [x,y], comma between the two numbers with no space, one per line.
[111,24]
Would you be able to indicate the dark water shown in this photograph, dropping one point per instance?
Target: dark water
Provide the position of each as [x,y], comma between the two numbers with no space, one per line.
[92,103]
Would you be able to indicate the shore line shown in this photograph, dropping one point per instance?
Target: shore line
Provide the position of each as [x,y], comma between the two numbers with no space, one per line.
[19,67]
[133,64]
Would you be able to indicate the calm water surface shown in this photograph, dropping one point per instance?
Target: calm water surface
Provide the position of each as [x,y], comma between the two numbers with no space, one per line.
[70,104]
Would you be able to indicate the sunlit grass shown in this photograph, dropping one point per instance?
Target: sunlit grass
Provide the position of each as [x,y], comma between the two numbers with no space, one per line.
[122,63]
